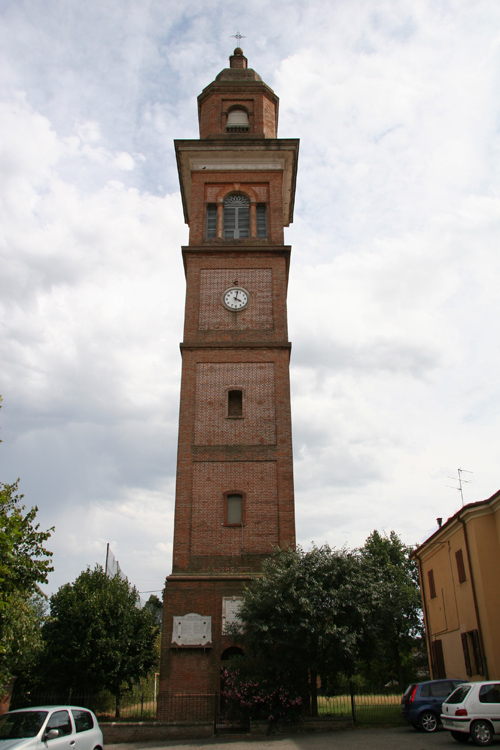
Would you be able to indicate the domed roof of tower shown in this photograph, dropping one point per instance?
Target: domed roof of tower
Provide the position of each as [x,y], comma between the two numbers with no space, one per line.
[238,69]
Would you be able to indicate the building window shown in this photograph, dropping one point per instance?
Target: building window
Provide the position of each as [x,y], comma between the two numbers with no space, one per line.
[237,121]
[211,220]
[236,217]
[476,647]
[261,220]
[432,585]
[465,649]
[234,509]
[471,644]
[439,671]
[235,403]
[459,557]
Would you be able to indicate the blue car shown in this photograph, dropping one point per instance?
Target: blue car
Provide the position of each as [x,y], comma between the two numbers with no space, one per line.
[422,701]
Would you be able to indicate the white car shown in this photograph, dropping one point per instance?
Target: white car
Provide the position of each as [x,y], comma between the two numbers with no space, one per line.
[50,728]
[473,710]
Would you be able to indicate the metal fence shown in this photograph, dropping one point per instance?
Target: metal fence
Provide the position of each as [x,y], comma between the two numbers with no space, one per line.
[363,708]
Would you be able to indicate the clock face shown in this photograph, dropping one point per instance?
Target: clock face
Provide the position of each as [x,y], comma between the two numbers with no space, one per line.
[235,298]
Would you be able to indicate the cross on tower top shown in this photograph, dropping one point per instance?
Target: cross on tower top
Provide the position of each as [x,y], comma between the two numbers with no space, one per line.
[237,36]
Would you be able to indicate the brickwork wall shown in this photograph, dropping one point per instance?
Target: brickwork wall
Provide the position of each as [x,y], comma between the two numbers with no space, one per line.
[195,670]
[258,100]
[257,480]
[214,316]
[210,271]
[190,451]
[211,185]
[212,424]
[247,350]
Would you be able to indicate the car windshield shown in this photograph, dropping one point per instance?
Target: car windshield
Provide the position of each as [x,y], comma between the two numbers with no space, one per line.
[21,724]
[458,695]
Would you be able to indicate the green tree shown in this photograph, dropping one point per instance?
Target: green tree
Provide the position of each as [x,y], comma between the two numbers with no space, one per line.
[396,620]
[24,564]
[96,636]
[306,616]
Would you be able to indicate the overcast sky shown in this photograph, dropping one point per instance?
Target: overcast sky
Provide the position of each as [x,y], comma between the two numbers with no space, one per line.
[393,296]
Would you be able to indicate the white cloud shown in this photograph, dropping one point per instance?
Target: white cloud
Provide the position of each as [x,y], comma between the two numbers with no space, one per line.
[393,280]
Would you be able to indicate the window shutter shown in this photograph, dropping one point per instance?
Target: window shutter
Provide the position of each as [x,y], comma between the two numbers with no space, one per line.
[432,585]
[236,217]
[459,557]
[229,222]
[477,651]
[211,220]
[261,220]
[465,649]
[438,660]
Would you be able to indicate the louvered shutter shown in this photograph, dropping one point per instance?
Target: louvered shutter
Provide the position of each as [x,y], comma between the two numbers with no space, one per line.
[261,220]
[236,217]
[211,220]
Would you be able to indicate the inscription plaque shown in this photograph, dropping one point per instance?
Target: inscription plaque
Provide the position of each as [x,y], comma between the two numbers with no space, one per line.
[231,606]
[192,630]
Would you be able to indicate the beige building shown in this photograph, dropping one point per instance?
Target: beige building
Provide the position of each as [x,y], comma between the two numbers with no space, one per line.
[460,584]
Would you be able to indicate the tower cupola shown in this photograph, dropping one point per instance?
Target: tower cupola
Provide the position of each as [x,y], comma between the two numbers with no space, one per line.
[237,102]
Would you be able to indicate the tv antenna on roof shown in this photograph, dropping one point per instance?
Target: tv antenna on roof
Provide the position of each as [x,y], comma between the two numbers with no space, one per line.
[461,482]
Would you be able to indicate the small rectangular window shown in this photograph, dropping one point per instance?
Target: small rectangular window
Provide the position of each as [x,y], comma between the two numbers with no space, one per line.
[261,220]
[234,515]
[235,403]
[432,585]
[211,220]
[459,557]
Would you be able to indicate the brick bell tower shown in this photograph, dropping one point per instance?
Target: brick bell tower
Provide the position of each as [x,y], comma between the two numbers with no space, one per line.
[234,495]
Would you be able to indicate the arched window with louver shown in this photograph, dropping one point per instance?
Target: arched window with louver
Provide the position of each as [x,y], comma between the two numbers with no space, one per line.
[236,217]
[237,121]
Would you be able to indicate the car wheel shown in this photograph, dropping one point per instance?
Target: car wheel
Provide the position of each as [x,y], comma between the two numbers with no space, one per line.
[460,736]
[481,732]
[428,721]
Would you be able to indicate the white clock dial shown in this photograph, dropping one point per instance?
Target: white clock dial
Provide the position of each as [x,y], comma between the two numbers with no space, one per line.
[235,298]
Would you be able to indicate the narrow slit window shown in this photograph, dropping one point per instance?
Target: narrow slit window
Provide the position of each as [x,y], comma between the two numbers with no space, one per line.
[211,220]
[261,220]
[235,403]
[234,510]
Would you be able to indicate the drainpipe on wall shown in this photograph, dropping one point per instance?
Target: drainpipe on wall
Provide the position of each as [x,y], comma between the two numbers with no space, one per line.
[426,617]
[476,608]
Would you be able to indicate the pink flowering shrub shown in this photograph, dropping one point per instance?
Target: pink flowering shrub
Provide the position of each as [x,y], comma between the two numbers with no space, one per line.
[257,699]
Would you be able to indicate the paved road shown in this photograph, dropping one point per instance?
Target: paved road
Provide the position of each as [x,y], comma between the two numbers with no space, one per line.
[399,738]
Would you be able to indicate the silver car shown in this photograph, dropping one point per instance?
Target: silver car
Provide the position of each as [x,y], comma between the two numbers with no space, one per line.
[473,710]
[50,728]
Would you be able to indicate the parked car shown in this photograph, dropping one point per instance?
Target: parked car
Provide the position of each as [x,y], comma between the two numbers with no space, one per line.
[473,710]
[50,728]
[421,702]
